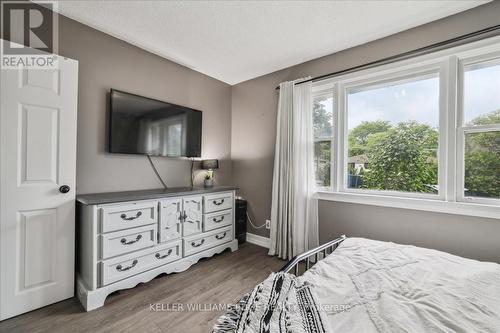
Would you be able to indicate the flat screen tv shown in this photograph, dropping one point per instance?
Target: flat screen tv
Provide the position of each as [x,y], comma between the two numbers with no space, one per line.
[140,125]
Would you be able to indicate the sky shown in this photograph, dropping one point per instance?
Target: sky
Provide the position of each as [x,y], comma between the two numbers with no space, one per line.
[481,91]
[419,100]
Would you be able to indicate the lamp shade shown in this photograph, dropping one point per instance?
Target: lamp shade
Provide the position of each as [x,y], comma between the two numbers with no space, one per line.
[210,164]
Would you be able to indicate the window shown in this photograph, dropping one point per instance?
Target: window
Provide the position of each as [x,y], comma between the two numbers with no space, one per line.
[425,128]
[481,135]
[323,133]
[393,133]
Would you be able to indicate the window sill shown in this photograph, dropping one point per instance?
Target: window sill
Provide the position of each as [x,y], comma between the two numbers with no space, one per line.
[430,205]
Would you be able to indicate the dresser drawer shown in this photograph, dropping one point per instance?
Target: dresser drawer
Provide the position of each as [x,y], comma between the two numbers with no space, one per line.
[119,268]
[130,215]
[216,220]
[125,241]
[217,202]
[207,240]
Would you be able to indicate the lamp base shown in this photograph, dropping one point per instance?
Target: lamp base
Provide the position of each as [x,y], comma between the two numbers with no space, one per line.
[208,182]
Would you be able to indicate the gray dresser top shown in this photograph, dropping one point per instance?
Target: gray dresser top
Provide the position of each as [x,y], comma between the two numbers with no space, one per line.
[110,197]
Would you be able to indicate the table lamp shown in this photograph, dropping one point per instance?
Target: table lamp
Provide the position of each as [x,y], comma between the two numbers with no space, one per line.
[209,165]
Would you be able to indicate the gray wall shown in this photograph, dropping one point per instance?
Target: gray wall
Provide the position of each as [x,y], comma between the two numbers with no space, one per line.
[470,237]
[106,62]
[254,104]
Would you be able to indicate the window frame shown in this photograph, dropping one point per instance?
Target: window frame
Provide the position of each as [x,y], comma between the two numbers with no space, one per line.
[488,58]
[381,81]
[449,64]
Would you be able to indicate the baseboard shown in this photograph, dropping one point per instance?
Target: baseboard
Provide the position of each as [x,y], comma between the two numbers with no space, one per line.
[258,240]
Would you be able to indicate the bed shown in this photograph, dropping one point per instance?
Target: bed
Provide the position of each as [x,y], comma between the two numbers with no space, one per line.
[362,285]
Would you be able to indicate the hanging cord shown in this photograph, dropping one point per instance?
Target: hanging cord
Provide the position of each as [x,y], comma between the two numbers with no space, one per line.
[156,172]
[253,225]
[192,167]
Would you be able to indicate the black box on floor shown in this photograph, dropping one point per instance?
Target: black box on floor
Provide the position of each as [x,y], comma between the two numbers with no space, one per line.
[241,220]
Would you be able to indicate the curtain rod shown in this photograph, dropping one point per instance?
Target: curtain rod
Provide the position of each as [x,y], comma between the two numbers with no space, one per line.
[456,41]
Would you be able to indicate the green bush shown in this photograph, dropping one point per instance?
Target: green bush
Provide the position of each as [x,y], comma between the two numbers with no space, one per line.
[402,159]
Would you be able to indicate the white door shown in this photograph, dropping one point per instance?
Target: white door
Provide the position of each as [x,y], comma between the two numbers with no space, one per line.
[170,219]
[192,216]
[37,157]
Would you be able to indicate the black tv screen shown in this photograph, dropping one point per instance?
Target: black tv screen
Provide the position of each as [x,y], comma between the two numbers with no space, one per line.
[140,125]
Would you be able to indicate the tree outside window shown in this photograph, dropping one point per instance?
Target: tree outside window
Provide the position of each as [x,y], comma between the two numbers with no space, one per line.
[393,136]
[323,128]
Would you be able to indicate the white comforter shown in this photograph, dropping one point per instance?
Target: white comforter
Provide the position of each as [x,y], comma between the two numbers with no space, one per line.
[373,286]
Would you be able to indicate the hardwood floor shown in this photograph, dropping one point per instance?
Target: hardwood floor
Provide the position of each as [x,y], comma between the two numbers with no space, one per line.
[218,280]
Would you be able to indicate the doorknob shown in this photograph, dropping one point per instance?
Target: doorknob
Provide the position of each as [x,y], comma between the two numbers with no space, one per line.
[64,189]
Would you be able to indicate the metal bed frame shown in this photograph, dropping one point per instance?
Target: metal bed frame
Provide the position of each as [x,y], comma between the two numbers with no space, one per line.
[306,256]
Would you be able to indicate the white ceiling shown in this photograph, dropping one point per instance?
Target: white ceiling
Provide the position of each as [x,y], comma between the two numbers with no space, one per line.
[234,41]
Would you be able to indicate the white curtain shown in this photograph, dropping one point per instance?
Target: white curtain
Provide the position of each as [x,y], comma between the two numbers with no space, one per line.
[294,210]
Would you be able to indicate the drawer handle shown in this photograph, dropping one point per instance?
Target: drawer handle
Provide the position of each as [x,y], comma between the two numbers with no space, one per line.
[218,220]
[124,240]
[119,268]
[158,256]
[220,237]
[195,202]
[130,218]
[218,203]
[193,244]
[190,221]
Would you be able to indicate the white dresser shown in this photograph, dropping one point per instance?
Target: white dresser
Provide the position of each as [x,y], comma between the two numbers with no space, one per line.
[126,238]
